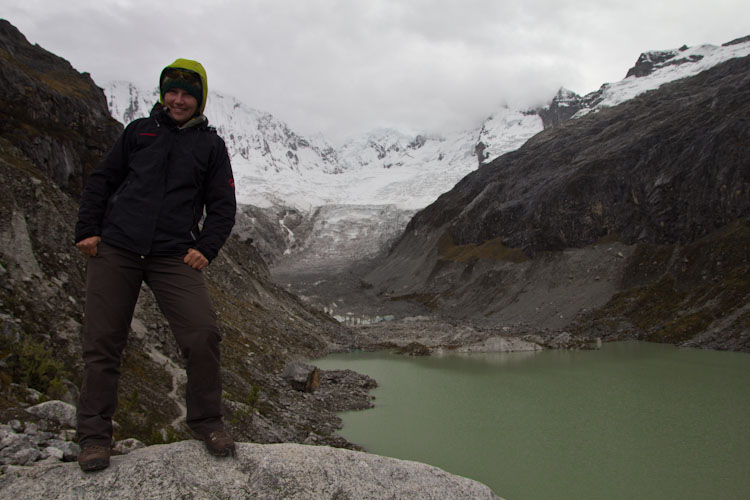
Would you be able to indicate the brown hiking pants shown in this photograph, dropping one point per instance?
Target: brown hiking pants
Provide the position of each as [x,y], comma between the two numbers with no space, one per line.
[113,282]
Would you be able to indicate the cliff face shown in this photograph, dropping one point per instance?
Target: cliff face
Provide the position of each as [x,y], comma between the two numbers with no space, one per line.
[651,181]
[55,129]
[55,116]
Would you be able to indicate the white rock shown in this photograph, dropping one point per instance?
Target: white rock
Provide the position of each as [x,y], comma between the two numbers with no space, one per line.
[501,344]
[30,428]
[11,442]
[25,456]
[51,451]
[67,434]
[58,411]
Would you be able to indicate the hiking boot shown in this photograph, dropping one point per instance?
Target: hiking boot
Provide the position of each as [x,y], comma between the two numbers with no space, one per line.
[219,443]
[93,457]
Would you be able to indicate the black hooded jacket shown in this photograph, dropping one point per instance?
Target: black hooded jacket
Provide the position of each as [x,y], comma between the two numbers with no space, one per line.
[149,194]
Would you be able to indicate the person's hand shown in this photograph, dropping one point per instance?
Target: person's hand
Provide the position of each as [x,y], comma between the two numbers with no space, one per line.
[195,259]
[88,246]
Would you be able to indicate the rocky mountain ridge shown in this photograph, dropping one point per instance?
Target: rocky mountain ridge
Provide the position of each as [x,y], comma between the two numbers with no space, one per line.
[589,276]
[651,70]
[630,222]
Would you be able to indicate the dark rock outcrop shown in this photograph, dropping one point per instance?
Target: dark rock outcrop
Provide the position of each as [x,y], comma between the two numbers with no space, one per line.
[302,377]
[737,41]
[56,116]
[649,61]
[562,108]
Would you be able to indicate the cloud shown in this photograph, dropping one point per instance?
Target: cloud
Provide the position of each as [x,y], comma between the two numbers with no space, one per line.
[343,66]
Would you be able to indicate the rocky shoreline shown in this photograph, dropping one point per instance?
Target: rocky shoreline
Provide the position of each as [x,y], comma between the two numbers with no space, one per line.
[424,336]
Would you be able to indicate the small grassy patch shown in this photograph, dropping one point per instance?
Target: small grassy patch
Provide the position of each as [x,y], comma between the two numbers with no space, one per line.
[430,301]
[244,417]
[493,249]
[681,328]
[674,293]
[609,239]
[32,364]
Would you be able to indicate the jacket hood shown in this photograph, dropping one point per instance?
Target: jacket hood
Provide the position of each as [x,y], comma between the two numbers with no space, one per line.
[195,67]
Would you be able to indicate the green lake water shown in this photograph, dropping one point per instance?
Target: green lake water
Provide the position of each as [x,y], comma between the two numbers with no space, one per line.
[630,421]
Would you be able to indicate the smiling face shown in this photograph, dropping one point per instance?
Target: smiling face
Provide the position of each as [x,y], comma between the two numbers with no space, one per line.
[181,105]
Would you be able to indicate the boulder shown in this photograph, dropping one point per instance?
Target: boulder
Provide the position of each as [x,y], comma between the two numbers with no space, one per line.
[302,377]
[57,411]
[290,471]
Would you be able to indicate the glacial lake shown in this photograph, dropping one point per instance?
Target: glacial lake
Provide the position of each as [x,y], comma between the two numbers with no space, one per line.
[632,420]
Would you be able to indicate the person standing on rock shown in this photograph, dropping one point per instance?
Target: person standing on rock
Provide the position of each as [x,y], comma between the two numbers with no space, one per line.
[139,221]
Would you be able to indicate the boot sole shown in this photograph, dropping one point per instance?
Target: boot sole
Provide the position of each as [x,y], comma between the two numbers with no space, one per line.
[94,465]
[222,453]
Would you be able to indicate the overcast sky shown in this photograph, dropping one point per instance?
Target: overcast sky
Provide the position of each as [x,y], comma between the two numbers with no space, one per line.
[340,67]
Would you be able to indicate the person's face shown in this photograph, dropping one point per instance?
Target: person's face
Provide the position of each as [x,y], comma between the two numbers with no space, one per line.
[182,106]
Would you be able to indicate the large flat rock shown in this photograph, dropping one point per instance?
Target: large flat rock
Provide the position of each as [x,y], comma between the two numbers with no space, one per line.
[184,470]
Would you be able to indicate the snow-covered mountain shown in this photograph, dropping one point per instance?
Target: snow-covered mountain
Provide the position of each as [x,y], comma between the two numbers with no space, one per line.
[279,170]
[651,70]
[276,166]
[269,144]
